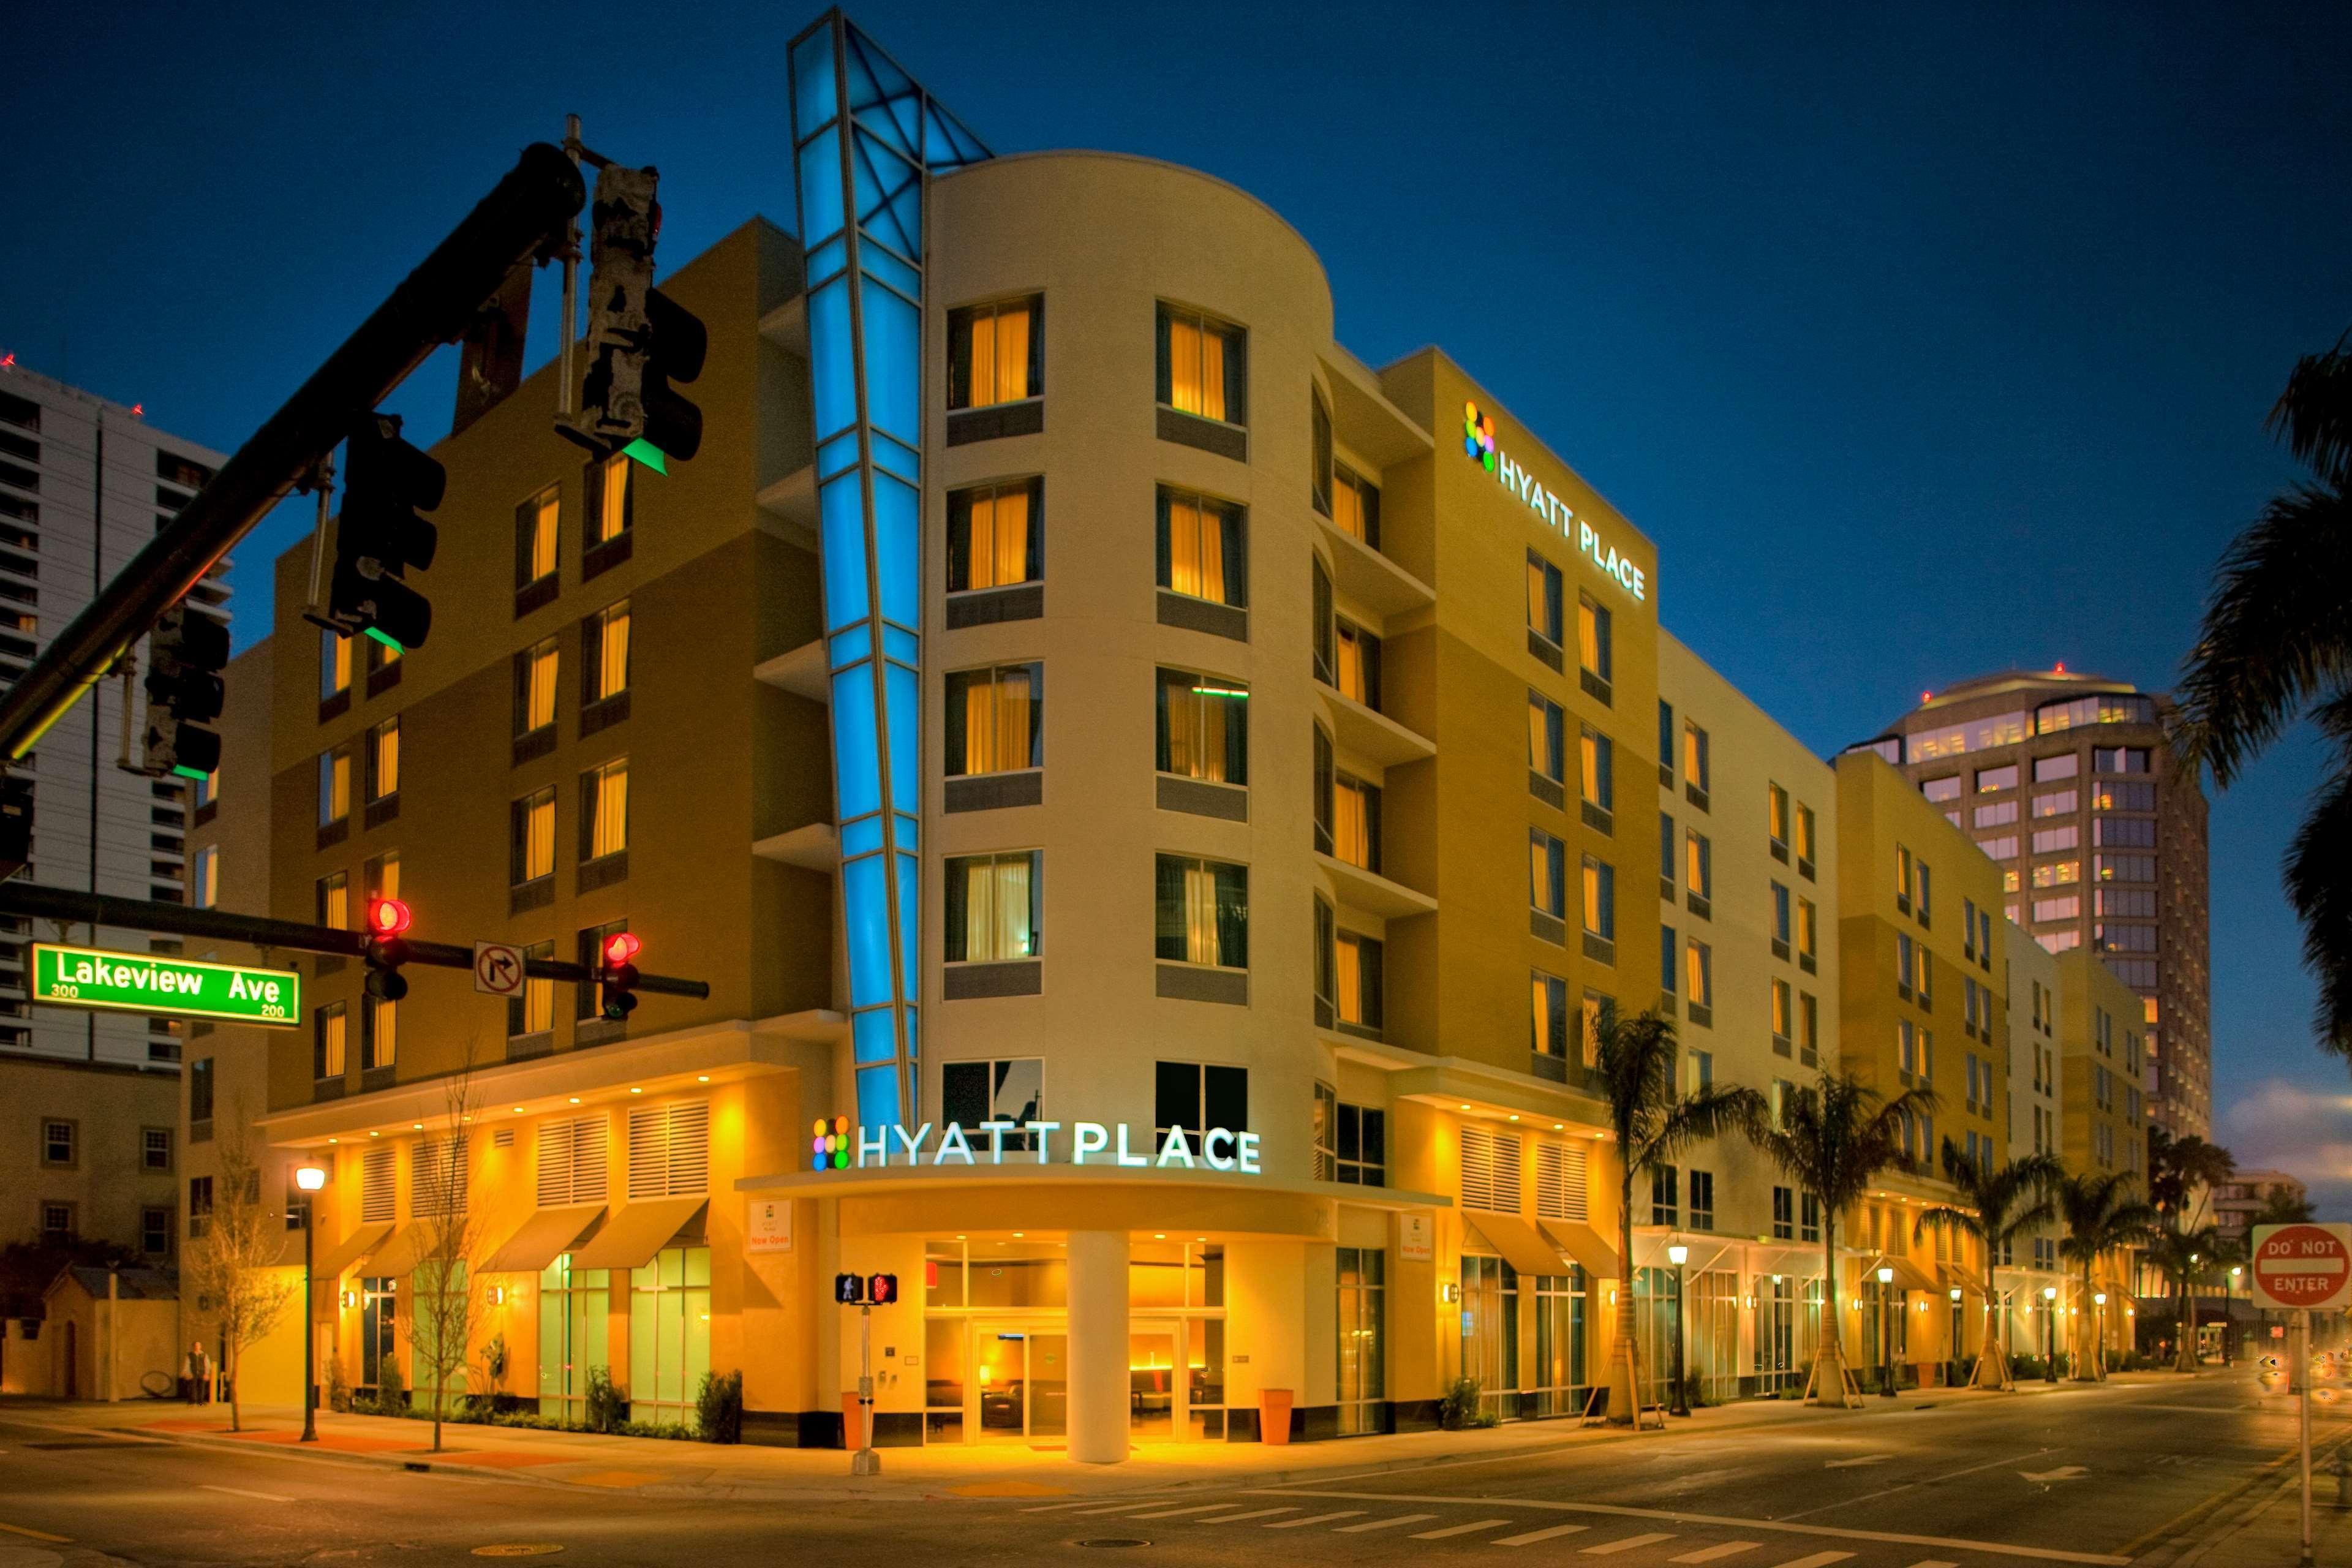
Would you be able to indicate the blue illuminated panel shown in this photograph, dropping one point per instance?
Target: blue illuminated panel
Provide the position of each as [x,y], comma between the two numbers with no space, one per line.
[860,175]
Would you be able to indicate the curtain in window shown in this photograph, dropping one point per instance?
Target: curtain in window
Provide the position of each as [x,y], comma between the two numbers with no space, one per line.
[610,832]
[1355,819]
[1201,736]
[999,548]
[1196,362]
[1200,914]
[611,498]
[538,837]
[388,759]
[541,692]
[996,909]
[1196,550]
[998,733]
[1352,980]
[612,654]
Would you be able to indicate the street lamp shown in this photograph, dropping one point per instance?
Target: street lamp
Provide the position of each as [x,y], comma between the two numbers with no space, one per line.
[1679,1254]
[1952,1372]
[1885,1335]
[2048,1323]
[2229,1313]
[2099,1327]
[311,1178]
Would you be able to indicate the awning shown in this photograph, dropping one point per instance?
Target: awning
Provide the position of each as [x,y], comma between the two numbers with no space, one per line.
[401,1255]
[1522,1246]
[328,1267]
[543,1238]
[1583,1243]
[1908,1276]
[636,1232]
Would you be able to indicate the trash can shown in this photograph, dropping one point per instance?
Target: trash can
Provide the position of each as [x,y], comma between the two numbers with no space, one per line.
[1274,1415]
[853,1434]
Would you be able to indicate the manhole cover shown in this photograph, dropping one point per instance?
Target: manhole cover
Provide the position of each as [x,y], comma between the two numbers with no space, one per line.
[520,1548]
[1112,1540]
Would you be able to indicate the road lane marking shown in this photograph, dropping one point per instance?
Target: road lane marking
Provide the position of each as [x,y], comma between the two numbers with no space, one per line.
[1532,1536]
[1906,1486]
[1850,1463]
[1715,1554]
[1057,1506]
[38,1534]
[239,1491]
[1175,1512]
[1237,1518]
[1931,1563]
[1313,1518]
[1122,1506]
[1382,1523]
[1458,1529]
[1627,1545]
[1818,1560]
[1724,1521]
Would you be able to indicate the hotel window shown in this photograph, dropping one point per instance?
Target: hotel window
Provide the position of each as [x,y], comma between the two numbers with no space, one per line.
[1203,548]
[588,953]
[1359,663]
[1902,878]
[378,1033]
[1543,599]
[1326,655]
[1324,773]
[996,353]
[535,537]
[1776,820]
[612,501]
[1784,1213]
[2123,831]
[1809,1220]
[1599,900]
[1593,1011]
[1203,366]
[604,654]
[1356,506]
[531,837]
[534,688]
[2056,803]
[204,878]
[334,786]
[1809,1026]
[996,536]
[1547,873]
[533,1011]
[2056,840]
[2000,778]
[1698,1070]
[1597,770]
[1548,1017]
[1947,788]
[1781,921]
[1203,913]
[1702,1200]
[2119,760]
[973,1093]
[995,907]
[1666,743]
[1547,743]
[1699,864]
[1363,1145]
[2123,794]
[1595,654]
[1669,958]
[995,720]
[1356,823]
[605,810]
[1805,840]
[1809,933]
[1698,971]
[1198,1095]
[1320,457]
[1663,1181]
[1203,727]
[334,664]
[2060,874]
[1905,962]
[1697,760]
[2065,765]
[1360,980]
[1784,1021]
[1924,885]
[1906,1046]
[384,759]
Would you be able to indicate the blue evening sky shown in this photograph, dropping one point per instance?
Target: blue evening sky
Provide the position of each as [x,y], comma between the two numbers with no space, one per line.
[1925,340]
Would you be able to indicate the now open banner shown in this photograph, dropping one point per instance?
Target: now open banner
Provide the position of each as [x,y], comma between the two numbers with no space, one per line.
[145,982]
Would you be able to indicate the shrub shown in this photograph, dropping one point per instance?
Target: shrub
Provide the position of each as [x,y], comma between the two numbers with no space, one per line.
[338,1387]
[718,1408]
[1461,1408]
[608,1411]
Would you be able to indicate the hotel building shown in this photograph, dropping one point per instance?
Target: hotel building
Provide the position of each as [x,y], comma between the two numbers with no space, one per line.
[2066,780]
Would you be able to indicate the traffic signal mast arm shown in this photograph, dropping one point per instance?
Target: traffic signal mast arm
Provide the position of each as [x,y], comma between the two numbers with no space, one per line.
[34,902]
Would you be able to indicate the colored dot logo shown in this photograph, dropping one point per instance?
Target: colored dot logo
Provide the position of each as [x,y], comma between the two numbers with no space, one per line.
[829,1145]
[1477,436]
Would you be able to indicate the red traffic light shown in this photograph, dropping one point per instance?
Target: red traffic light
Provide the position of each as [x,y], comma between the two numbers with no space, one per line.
[882,1289]
[621,947]
[387,917]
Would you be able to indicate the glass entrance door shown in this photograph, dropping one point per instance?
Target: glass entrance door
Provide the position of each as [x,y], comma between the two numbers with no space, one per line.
[1155,1382]
[1048,1386]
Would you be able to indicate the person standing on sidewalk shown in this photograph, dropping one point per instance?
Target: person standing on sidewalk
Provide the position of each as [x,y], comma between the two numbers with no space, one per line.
[199,1375]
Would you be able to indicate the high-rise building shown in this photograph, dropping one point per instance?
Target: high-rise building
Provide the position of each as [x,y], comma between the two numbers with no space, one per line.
[2238,1202]
[2066,782]
[84,485]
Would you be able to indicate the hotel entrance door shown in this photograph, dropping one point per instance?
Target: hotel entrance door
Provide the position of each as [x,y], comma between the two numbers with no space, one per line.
[1023,1384]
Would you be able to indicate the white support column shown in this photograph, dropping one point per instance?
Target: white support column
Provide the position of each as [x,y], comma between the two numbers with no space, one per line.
[1098,1346]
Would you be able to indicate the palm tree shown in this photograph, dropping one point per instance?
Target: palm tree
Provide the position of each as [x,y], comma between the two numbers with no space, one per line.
[2101,1216]
[1635,1060]
[1997,1205]
[2181,1255]
[2281,1206]
[2276,644]
[2179,1167]
[1833,1137]
[2231,1254]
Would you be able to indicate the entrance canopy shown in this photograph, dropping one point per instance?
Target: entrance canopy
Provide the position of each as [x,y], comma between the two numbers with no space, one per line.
[544,1237]
[636,1232]
[1520,1244]
[329,1266]
[1583,1243]
[1908,1276]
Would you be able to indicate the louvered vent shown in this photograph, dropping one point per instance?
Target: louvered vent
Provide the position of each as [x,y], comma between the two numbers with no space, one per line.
[1490,1171]
[573,1163]
[377,1202]
[1559,1182]
[669,1150]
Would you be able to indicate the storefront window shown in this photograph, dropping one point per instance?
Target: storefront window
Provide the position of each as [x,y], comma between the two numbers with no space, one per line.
[376,1314]
[574,1308]
[669,1333]
[945,1358]
[943,1283]
[1559,1379]
[1363,1343]
[1490,1330]
[1206,1363]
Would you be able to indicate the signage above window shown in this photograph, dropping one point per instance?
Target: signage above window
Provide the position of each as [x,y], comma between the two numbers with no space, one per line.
[836,1144]
[1478,446]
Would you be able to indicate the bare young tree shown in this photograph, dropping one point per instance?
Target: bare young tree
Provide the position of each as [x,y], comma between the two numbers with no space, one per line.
[443,1315]
[231,1266]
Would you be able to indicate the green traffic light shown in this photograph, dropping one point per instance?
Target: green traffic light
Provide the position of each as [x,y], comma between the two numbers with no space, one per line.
[188,772]
[646,452]
[387,641]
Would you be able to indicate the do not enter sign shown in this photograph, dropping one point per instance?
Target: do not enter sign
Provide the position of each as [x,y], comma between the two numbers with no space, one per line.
[2303,1266]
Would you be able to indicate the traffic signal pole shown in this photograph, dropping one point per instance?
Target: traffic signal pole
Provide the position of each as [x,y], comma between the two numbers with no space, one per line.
[528,212]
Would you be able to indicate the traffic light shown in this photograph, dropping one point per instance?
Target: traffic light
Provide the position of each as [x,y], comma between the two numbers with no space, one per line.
[849,1290]
[185,658]
[639,340]
[386,482]
[387,949]
[882,1291]
[619,976]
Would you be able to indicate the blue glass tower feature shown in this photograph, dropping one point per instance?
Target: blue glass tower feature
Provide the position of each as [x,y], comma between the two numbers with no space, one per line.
[865,137]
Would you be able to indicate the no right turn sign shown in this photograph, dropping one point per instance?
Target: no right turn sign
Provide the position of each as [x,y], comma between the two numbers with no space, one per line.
[2302,1267]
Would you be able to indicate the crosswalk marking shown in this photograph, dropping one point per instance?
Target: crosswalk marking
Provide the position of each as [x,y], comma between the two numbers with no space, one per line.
[1056,1507]
[1532,1536]
[1818,1560]
[1317,1519]
[1173,1512]
[1931,1563]
[1119,1506]
[1458,1529]
[1627,1545]
[1237,1518]
[1712,1553]
[1383,1523]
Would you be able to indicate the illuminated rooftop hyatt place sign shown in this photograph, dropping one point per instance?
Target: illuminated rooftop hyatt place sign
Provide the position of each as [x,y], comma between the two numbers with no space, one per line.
[1478,445]
[833,1141]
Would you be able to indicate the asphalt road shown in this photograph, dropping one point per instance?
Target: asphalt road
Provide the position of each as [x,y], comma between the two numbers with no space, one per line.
[2098,1477]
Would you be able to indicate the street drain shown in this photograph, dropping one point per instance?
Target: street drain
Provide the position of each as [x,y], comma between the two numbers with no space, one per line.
[1112,1540]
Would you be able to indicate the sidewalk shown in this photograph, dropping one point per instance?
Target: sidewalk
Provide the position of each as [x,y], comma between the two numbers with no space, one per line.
[2267,1532]
[656,1467]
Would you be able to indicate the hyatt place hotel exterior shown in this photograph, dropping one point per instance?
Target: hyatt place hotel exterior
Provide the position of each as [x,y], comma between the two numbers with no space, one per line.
[1154,799]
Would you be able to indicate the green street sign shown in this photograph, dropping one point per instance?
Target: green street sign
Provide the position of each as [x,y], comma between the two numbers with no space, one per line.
[142,982]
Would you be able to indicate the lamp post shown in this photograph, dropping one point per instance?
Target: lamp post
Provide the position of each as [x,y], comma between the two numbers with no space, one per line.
[1885,1335]
[2189,1298]
[311,1178]
[2049,1334]
[1952,1375]
[2230,1311]
[1679,1254]
[2099,1327]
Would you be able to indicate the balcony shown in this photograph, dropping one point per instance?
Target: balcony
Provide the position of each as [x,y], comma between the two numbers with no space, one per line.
[1363,418]
[816,848]
[801,672]
[1358,889]
[1361,573]
[786,326]
[1375,737]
